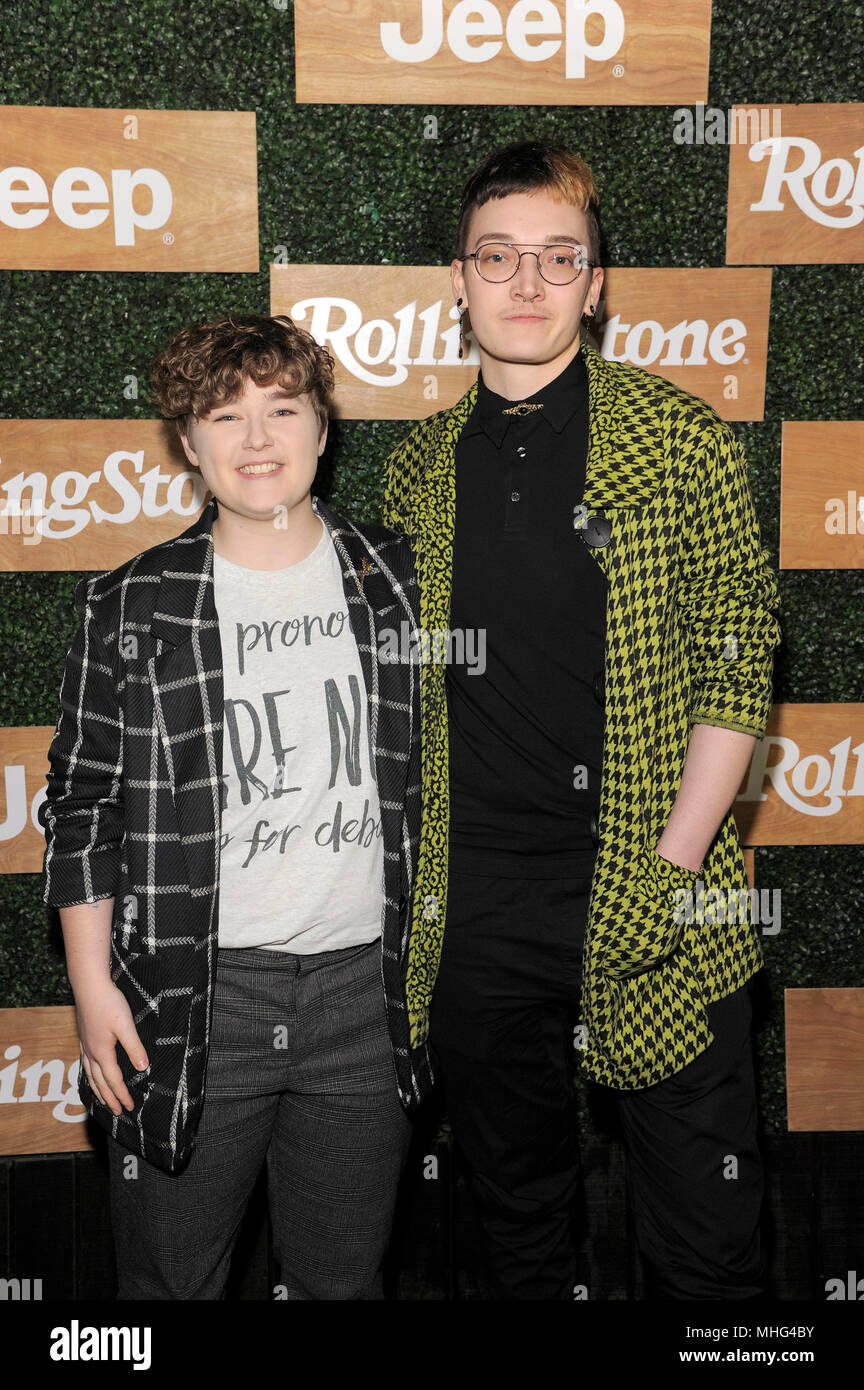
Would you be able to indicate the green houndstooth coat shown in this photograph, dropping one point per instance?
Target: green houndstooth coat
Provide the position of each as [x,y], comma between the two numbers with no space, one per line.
[690,633]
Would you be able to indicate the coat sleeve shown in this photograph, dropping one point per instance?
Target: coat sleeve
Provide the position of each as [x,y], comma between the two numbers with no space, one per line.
[727,591]
[82,814]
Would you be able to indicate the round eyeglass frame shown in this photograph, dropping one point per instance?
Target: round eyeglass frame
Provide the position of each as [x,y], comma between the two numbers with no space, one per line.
[511,246]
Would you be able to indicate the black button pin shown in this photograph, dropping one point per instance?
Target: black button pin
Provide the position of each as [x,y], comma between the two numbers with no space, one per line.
[597,531]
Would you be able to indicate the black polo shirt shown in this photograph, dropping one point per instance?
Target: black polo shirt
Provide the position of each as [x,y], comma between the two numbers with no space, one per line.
[526,735]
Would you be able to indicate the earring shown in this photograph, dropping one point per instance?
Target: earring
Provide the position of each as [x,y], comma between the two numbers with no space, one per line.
[461,312]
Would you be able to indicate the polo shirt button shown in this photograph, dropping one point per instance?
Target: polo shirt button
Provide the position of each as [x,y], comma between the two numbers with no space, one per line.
[600,688]
[521,451]
[595,831]
[514,496]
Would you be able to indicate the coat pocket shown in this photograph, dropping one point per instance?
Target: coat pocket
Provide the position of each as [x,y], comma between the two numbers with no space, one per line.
[648,925]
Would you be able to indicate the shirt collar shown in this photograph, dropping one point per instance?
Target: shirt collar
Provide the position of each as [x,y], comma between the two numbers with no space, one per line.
[561,399]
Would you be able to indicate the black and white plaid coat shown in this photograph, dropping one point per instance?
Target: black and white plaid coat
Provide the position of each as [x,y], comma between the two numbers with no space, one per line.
[133,807]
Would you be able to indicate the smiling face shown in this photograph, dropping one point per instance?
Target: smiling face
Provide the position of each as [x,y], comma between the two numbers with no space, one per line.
[258,454]
[527,330]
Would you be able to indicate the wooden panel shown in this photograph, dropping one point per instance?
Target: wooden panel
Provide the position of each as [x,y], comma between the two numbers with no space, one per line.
[822,495]
[807,188]
[130,479]
[825,1058]
[394,333]
[24,758]
[5,1216]
[195,206]
[44,1042]
[645,316]
[810,770]
[659,55]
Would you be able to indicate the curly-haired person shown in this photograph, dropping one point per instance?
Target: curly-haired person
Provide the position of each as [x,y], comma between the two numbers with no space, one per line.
[232,822]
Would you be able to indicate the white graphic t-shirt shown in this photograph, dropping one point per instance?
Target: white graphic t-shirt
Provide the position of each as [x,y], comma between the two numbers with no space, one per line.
[301,860]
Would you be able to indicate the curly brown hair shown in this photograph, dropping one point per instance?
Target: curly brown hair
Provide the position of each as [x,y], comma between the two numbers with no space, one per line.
[208,364]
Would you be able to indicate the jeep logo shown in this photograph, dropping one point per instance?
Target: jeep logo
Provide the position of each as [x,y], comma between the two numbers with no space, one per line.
[80,198]
[476,32]
[502,52]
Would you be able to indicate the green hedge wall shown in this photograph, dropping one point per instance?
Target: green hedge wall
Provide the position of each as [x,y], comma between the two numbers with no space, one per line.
[346,184]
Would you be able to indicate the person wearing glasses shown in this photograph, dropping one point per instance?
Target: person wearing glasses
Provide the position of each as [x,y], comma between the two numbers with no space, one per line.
[596,523]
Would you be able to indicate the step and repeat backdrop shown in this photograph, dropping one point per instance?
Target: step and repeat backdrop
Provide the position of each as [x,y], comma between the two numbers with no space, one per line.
[307,160]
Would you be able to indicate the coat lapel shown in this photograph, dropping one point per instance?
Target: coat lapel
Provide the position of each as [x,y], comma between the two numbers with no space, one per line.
[186,676]
[625,460]
[436,514]
[625,463]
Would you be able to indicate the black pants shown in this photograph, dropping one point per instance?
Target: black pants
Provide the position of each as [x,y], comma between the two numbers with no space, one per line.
[504,1011]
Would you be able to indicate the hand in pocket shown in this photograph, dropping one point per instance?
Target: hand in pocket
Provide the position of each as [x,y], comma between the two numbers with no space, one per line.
[650,924]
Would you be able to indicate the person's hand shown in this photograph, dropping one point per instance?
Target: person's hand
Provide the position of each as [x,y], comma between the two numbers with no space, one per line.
[104,1019]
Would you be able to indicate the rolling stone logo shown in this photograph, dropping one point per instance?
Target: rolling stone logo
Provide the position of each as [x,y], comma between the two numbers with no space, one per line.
[40,1109]
[85,189]
[798,198]
[99,492]
[808,771]
[394,333]
[497,52]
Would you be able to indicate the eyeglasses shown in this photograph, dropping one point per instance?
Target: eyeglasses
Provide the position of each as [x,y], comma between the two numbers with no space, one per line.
[559,265]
